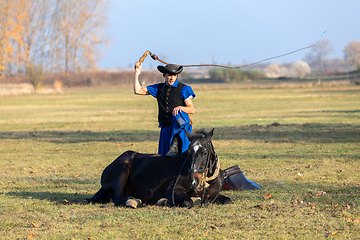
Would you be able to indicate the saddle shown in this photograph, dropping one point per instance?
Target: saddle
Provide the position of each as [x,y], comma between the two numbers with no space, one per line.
[236,180]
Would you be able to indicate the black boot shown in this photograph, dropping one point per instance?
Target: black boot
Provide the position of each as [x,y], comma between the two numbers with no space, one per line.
[174,148]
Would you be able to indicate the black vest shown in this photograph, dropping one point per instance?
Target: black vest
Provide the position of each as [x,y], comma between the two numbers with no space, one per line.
[168,98]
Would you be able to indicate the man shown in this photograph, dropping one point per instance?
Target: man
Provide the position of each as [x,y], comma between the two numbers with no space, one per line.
[174,100]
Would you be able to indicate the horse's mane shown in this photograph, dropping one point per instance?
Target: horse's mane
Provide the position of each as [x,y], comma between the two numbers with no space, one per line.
[198,134]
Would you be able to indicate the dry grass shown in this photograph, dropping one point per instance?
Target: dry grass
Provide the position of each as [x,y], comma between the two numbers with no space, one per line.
[54,147]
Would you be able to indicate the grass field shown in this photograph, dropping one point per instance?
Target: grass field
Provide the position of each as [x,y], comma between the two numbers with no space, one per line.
[300,144]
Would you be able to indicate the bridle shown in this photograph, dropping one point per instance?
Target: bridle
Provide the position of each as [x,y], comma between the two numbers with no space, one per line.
[205,179]
[204,171]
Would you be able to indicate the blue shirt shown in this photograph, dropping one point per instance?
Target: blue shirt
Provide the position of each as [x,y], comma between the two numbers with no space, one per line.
[186,91]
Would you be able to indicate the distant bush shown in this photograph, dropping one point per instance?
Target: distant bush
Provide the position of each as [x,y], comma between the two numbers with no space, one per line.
[35,75]
[235,75]
[87,79]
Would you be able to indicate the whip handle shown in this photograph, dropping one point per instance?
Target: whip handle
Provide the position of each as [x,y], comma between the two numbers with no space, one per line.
[141,60]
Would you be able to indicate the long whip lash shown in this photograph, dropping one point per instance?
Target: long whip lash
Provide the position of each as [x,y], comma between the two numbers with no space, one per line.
[153,56]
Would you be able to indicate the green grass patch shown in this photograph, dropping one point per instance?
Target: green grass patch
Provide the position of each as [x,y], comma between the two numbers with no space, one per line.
[300,144]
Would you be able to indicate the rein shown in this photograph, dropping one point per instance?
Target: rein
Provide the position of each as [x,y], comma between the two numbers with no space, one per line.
[214,176]
[177,179]
[217,169]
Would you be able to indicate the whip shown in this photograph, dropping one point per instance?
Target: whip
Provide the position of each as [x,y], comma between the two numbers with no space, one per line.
[156,58]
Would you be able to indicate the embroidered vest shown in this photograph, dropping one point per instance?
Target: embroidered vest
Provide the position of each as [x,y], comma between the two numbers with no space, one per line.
[168,98]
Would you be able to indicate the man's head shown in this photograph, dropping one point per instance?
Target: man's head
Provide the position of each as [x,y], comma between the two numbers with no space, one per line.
[170,72]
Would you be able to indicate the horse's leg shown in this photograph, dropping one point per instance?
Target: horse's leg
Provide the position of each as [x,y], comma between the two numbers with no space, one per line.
[102,196]
[221,199]
[181,199]
[120,182]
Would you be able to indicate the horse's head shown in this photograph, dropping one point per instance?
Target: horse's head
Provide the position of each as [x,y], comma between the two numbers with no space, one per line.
[199,156]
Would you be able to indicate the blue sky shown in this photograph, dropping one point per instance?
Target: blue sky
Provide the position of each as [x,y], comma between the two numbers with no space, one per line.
[227,32]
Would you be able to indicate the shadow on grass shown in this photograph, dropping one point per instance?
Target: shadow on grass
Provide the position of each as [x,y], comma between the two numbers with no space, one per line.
[285,192]
[82,136]
[327,133]
[50,196]
[55,189]
[321,133]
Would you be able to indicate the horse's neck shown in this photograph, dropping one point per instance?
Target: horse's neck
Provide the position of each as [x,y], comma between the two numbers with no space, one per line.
[183,161]
[215,170]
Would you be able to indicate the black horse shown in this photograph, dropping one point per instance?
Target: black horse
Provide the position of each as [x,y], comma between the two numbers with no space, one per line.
[173,181]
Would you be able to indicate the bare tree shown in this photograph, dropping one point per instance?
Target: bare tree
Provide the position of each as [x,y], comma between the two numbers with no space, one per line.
[319,54]
[4,29]
[55,34]
[352,55]
[36,32]
[81,26]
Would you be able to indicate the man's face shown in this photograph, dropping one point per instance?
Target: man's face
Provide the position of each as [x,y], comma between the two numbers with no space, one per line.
[170,79]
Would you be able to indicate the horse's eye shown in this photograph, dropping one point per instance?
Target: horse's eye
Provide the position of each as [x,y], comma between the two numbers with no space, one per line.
[204,153]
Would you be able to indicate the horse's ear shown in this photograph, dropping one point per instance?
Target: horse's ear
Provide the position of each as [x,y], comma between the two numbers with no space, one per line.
[210,134]
[188,134]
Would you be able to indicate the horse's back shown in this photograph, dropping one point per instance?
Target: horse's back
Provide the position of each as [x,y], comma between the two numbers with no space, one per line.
[119,162]
[152,176]
[145,176]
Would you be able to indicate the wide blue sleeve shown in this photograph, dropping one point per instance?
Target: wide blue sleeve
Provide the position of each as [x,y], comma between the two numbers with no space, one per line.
[186,92]
[152,89]
[176,128]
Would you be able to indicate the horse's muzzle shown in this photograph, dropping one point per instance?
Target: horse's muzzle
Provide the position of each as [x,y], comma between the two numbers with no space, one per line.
[195,180]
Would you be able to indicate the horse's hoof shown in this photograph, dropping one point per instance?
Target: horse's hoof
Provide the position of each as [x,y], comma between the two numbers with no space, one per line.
[132,203]
[227,201]
[162,202]
[188,204]
[196,200]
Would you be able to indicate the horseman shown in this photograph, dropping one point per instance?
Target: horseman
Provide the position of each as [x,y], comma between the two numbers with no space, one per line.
[175,102]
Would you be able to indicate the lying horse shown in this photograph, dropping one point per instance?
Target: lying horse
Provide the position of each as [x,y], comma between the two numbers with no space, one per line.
[149,178]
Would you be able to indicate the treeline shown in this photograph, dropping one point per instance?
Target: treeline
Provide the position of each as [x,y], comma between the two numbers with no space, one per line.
[235,75]
[88,79]
[58,35]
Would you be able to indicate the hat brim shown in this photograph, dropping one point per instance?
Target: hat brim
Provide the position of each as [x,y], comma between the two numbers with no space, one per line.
[163,69]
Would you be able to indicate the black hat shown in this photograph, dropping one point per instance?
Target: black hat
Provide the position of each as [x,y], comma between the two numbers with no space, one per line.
[171,69]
